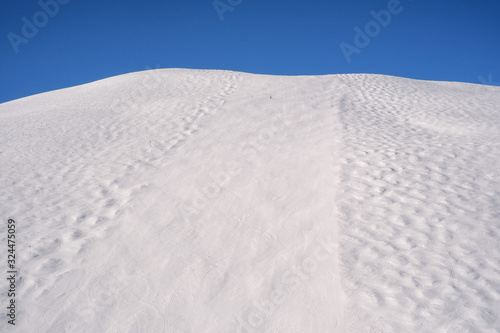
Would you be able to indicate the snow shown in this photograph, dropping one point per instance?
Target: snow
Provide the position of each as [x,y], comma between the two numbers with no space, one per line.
[179,200]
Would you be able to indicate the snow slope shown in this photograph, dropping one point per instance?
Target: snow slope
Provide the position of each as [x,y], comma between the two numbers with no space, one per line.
[213,201]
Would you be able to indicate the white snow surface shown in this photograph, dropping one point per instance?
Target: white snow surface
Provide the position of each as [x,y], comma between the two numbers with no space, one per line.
[180,200]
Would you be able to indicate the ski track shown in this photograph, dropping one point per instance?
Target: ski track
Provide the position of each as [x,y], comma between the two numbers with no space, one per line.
[215,201]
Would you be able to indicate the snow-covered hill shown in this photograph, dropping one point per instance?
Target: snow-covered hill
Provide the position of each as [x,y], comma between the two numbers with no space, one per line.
[213,201]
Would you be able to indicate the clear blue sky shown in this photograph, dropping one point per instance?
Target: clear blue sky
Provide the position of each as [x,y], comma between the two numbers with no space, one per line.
[87,40]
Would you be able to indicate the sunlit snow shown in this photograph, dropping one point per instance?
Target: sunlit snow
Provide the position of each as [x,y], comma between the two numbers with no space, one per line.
[182,200]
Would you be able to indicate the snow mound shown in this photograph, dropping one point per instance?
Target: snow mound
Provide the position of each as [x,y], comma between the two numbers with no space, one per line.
[182,200]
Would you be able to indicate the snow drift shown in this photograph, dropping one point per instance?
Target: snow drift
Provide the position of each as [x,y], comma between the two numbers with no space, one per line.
[213,201]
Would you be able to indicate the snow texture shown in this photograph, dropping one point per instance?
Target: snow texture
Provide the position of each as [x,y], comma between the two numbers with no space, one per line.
[182,200]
